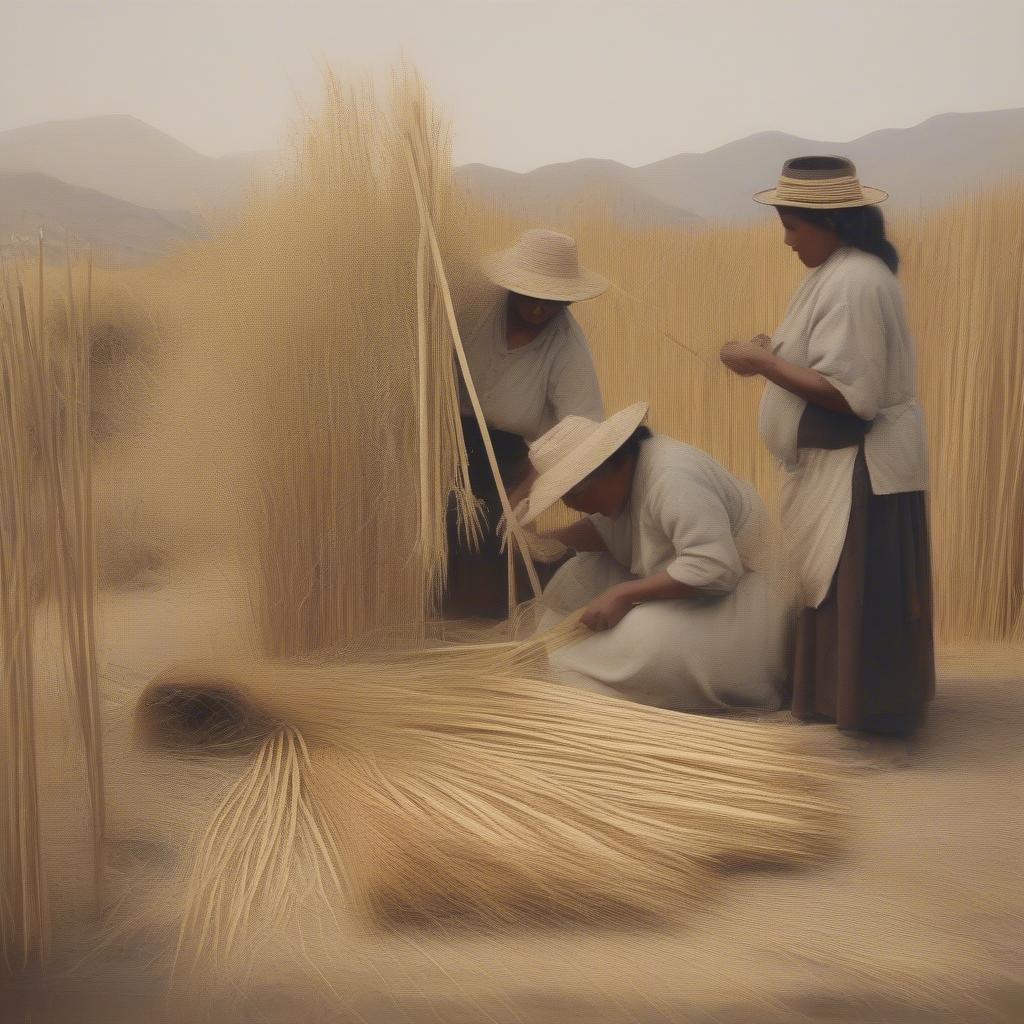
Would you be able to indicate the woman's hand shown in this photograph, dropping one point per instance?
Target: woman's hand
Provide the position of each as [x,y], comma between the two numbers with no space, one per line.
[606,611]
[747,358]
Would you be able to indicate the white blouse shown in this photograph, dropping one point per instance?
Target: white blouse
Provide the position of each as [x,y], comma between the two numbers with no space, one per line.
[684,515]
[846,320]
[527,390]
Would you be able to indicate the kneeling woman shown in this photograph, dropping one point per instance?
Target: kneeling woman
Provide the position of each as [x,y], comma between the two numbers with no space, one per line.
[665,572]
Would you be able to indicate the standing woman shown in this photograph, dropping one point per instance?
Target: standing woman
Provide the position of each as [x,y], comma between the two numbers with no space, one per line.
[840,412]
[531,367]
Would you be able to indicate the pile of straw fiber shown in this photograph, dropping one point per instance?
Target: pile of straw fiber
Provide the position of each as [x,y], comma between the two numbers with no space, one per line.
[446,788]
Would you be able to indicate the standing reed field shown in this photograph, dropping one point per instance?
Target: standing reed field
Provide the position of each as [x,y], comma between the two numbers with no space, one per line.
[679,293]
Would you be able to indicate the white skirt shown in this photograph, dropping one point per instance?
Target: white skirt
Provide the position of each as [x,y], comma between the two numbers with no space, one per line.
[728,651]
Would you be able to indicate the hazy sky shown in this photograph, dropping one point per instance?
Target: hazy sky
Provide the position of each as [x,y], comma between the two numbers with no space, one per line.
[525,83]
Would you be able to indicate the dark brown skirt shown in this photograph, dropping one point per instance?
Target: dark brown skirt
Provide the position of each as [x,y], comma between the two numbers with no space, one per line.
[865,657]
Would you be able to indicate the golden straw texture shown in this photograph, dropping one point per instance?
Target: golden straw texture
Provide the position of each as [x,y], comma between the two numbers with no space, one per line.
[47,554]
[458,791]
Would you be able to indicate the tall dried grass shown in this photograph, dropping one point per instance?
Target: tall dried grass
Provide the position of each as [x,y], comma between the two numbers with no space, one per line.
[47,552]
[328,322]
[679,293]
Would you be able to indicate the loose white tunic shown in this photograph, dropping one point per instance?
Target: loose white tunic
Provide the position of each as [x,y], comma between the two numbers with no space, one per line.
[847,321]
[527,390]
[688,516]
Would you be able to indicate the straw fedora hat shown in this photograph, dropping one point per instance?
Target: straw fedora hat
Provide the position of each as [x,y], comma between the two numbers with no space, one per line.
[572,450]
[544,265]
[820,183]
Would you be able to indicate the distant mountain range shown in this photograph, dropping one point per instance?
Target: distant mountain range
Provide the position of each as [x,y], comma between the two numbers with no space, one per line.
[929,163]
[130,160]
[122,232]
[135,192]
[553,189]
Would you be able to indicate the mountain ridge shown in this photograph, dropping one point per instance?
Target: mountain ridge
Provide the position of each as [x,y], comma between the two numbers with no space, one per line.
[128,160]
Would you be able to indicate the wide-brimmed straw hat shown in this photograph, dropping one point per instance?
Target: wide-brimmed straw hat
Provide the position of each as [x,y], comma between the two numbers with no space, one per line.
[572,450]
[820,183]
[544,265]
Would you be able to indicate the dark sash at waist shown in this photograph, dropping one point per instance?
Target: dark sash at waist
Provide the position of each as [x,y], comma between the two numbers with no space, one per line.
[822,428]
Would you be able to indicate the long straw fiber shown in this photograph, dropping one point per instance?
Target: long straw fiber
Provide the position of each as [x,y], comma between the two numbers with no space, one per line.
[45,477]
[442,787]
[346,359]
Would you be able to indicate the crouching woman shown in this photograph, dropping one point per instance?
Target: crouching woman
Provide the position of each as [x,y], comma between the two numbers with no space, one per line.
[666,571]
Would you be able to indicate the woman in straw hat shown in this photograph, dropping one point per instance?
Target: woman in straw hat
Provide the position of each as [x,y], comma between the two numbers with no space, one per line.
[840,413]
[530,366]
[669,571]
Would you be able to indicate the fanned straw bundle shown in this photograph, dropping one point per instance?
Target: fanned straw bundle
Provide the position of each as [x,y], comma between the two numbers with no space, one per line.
[45,479]
[444,787]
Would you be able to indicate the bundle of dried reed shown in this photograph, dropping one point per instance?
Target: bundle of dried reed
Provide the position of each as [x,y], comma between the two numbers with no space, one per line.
[442,786]
[325,298]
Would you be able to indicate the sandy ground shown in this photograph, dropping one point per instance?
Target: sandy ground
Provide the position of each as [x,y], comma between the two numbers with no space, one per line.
[917,921]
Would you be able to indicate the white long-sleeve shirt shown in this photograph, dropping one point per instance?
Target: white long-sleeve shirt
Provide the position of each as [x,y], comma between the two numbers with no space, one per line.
[528,390]
[846,320]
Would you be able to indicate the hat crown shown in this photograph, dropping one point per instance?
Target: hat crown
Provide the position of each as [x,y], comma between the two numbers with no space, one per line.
[540,251]
[822,181]
[560,441]
[818,168]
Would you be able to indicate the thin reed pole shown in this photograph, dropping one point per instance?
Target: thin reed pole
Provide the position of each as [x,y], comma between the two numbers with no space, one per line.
[515,530]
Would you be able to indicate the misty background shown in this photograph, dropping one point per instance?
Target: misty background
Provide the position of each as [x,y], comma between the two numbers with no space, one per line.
[129,122]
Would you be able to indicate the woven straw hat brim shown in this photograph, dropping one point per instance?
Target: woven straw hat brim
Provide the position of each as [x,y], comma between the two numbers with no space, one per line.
[502,270]
[581,461]
[872,196]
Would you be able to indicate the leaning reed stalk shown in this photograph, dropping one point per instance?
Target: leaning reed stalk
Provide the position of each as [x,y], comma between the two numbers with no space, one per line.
[443,467]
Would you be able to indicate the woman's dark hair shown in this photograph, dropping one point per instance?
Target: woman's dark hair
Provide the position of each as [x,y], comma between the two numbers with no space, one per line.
[629,448]
[862,227]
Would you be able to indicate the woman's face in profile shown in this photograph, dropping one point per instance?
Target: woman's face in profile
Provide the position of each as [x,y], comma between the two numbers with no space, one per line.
[813,243]
[535,312]
[604,492]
